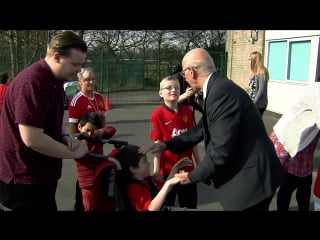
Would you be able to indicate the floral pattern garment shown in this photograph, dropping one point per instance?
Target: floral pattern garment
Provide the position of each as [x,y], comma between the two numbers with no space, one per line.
[301,164]
[252,91]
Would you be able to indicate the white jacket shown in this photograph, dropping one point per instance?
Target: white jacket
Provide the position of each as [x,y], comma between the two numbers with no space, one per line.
[300,124]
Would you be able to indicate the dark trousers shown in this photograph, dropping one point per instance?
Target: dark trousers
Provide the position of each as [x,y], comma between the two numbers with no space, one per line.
[78,205]
[261,206]
[187,195]
[28,197]
[303,193]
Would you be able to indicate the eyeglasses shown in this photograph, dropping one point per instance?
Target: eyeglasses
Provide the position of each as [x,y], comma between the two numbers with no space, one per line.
[169,88]
[183,72]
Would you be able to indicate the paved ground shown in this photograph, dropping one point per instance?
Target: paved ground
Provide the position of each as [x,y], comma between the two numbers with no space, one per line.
[132,124]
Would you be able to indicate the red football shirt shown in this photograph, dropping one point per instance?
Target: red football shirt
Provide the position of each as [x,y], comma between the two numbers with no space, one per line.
[166,124]
[80,105]
[140,196]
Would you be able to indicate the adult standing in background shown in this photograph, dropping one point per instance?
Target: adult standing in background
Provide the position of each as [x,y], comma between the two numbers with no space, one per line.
[239,158]
[3,87]
[32,139]
[85,101]
[295,137]
[258,82]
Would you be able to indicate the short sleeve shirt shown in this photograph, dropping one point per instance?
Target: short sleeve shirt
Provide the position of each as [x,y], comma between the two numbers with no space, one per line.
[166,124]
[80,105]
[140,196]
[34,98]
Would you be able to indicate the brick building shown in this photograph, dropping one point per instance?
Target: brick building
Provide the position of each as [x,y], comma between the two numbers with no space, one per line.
[239,44]
[291,56]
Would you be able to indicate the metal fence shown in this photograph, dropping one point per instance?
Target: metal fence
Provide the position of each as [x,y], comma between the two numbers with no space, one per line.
[131,80]
[114,75]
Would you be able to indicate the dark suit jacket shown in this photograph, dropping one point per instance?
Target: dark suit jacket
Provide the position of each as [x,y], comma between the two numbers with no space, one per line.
[240,158]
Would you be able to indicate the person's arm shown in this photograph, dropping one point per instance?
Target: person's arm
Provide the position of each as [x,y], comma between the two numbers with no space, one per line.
[188,93]
[224,119]
[261,87]
[153,148]
[156,164]
[159,199]
[37,140]
[196,155]
[105,132]
[178,144]
[74,115]
[186,140]
[73,128]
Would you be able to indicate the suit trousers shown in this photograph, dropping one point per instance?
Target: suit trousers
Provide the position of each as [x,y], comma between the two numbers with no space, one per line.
[261,206]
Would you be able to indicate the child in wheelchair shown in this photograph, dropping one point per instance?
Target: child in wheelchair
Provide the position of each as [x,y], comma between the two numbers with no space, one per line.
[136,189]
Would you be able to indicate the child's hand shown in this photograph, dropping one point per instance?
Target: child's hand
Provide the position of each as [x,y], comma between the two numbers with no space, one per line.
[190,92]
[172,181]
[97,134]
[183,177]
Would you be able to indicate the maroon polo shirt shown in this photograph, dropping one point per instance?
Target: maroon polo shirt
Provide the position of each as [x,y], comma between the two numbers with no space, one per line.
[33,98]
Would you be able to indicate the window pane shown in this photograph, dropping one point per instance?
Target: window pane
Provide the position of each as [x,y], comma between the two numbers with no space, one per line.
[277,60]
[299,58]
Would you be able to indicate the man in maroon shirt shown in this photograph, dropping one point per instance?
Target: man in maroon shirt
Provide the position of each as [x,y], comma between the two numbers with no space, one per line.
[32,139]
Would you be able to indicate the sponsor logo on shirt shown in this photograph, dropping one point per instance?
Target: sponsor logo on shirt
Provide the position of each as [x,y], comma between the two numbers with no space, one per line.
[177,132]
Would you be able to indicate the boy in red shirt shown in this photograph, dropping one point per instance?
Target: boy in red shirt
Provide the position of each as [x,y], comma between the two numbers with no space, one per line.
[167,121]
[141,191]
[89,124]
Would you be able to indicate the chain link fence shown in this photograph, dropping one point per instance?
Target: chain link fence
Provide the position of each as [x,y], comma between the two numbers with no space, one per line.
[125,81]
[128,81]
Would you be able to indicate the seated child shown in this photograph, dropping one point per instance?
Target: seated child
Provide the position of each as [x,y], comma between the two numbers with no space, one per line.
[89,124]
[142,191]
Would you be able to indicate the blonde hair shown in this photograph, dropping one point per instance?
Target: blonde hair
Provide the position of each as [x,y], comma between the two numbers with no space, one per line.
[168,78]
[257,66]
[85,73]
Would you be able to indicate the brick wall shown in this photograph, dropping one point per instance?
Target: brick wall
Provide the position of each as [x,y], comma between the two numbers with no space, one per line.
[239,47]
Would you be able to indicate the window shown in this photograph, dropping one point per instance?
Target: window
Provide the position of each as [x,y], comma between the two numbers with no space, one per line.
[289,60]
[277,60]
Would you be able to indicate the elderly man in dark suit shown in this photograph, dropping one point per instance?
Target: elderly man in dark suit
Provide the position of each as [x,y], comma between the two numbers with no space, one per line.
[240,159]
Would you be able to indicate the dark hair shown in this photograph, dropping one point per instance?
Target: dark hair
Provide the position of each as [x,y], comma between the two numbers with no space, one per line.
[129,156]
[176,69]
[91,117]
[4,78]
[63,42]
